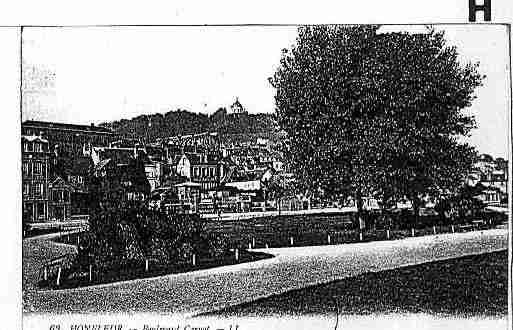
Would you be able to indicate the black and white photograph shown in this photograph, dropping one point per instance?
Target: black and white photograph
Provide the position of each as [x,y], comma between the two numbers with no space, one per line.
[233,177]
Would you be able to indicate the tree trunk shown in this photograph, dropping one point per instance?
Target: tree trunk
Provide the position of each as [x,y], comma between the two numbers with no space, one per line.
[416,210]
[359,211]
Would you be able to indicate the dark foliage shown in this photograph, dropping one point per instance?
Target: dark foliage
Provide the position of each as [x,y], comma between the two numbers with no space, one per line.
[369,114]
[134,232]
[182,122]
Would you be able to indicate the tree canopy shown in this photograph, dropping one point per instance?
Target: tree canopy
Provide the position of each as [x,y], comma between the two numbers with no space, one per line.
[371,114]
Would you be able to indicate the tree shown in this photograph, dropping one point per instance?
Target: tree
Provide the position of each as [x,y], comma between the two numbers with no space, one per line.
[376,115]
[278,187]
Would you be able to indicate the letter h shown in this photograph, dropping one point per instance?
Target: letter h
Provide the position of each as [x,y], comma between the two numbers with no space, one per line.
[473,8]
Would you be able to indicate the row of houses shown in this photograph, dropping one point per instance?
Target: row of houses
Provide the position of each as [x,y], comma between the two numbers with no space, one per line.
[492,176]
[188,173]
[60,161]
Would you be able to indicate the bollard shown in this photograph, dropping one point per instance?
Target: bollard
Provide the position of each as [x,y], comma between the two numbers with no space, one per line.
[412,232]
[78,240]
[361,236]
[266,246]
[90,273]
[237,254]
[388,233]
[193,259]
[59,276]
[434,230]
[45,274]
[253,243]
[146,265]
[329,239]
[452,228]
[249,246]
[291,240]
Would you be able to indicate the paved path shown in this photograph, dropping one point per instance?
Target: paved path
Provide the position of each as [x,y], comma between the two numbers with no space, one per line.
[292,268]
[36,251]
[259,214]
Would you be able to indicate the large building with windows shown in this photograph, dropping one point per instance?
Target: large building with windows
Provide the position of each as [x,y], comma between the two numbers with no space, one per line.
[35,163]
[69,138]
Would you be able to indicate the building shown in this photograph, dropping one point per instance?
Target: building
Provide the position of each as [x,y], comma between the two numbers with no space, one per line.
[492,174]
[35,163]
[204,169]
[59,203]
[118,175]
[237,108]
[69,137]
[207,142]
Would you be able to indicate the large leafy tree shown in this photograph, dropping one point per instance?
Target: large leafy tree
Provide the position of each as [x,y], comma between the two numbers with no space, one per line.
[370,114]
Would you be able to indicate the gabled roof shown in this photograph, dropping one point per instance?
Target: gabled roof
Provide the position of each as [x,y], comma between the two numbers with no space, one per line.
[60,182]
[101,164]
[197,159]
[32,138]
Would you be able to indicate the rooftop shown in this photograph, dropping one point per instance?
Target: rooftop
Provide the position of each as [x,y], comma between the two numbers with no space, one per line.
[62,126]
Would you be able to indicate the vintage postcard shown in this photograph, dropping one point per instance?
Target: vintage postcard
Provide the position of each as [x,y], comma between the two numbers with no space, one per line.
[266,176]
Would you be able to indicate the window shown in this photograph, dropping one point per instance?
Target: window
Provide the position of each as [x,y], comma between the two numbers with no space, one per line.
[29,146]
[26,189]
[37,190]
[196,172]
[211,172]
[38,168]
[203,172]
[40,210]
[37,147]
[26,169]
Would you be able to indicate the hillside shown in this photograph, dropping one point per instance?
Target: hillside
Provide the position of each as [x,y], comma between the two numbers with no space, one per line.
[182,122]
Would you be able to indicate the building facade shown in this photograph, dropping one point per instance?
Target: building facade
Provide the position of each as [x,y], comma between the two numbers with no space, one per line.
[35,162]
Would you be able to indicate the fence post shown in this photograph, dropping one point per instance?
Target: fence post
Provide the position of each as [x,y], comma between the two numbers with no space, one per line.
[193,259]
[412,232]
[388,233]
[59,276]
[329,239]
[90,273]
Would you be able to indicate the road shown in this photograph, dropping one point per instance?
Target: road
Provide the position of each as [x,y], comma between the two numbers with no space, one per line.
[212,289]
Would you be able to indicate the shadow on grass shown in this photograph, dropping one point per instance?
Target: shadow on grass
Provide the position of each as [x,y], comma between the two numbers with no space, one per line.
[466,287]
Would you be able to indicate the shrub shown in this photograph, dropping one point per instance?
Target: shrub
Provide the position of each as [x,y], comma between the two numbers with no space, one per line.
[134,232]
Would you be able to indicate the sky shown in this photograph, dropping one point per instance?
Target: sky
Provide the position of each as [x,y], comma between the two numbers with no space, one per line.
[95,74]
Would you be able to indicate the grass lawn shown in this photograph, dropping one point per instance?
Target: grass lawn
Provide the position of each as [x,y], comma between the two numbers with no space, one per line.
[469,286]
[308,230]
